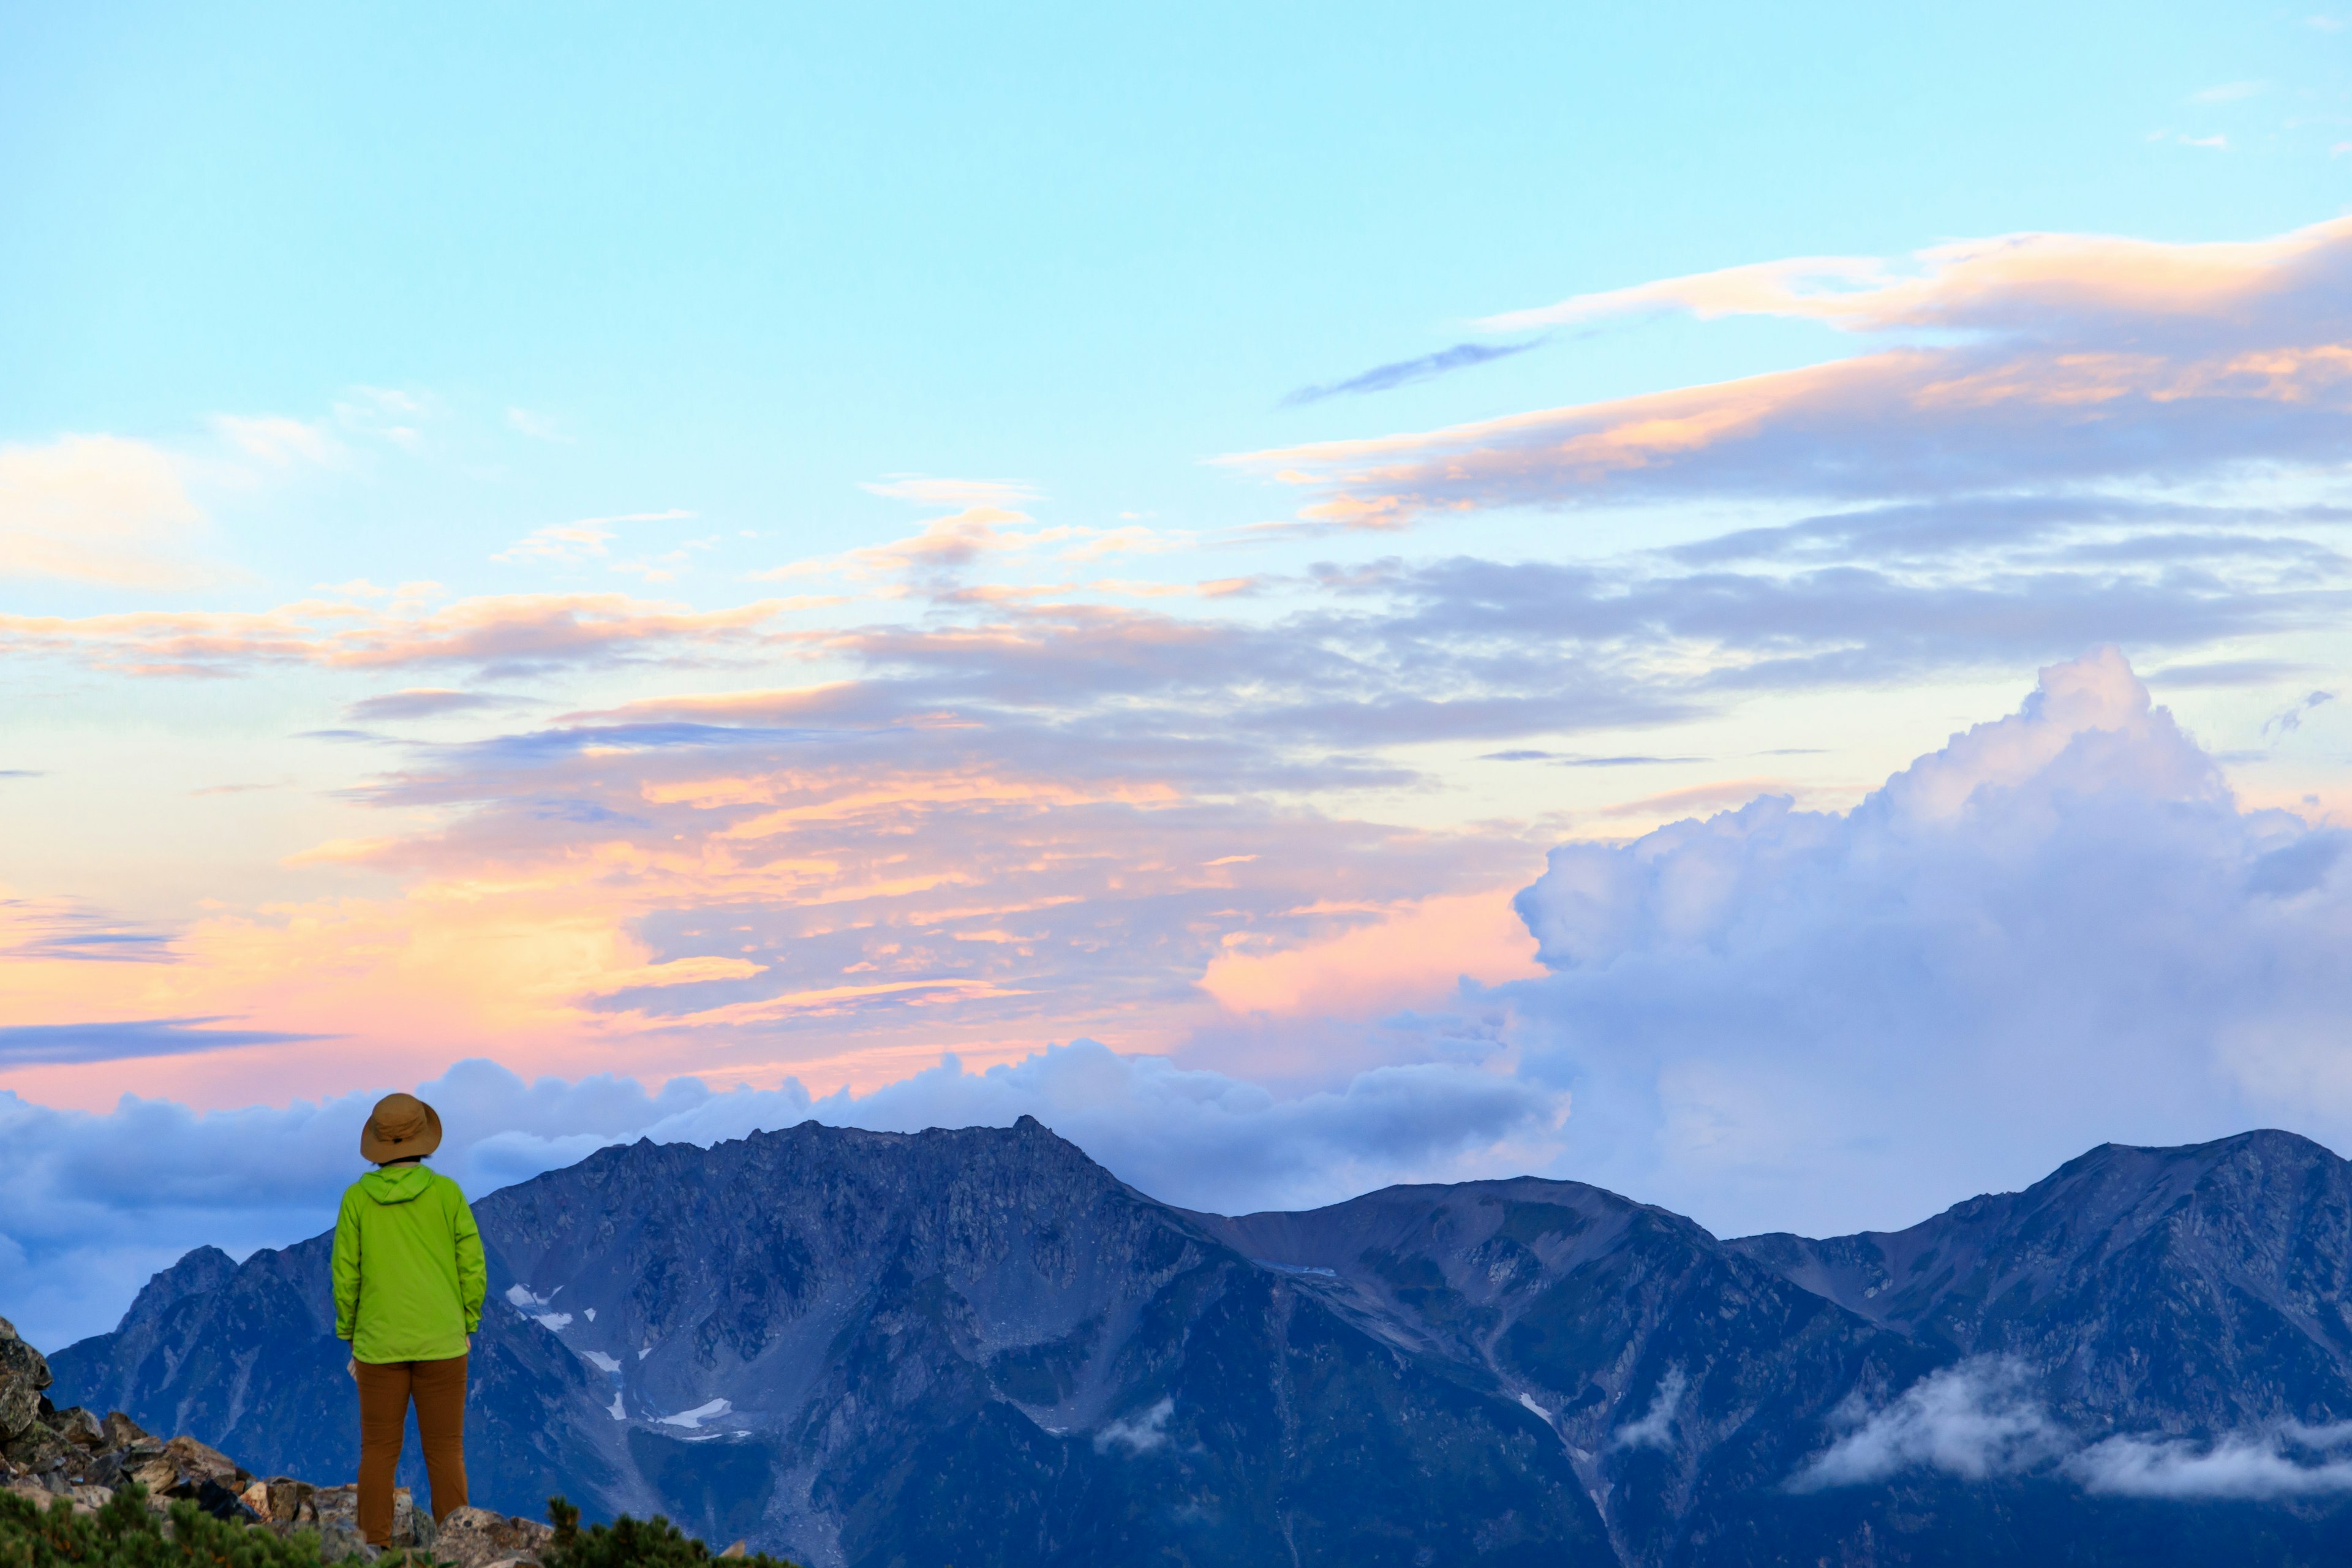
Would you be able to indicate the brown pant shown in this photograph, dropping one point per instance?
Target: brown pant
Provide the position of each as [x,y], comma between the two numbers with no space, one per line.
[439,1389]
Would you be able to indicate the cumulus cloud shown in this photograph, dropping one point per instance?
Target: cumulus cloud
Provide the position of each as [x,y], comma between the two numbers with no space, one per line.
[2061,929]
[95,1203]
[1977,1419]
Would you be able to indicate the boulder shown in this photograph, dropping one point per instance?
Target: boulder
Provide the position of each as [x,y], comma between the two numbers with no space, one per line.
[283,1499]
[80,1428]
[185,1467]
[339,1511]
[40,1450]
[478,1537]
[24,1373]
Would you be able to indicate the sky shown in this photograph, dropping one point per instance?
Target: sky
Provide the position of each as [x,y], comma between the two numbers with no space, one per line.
[1742,606]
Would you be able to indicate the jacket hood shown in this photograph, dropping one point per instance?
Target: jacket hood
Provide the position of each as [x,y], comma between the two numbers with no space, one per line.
[396,1184]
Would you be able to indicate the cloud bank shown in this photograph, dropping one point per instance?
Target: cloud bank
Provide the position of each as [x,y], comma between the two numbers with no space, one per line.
[1983,1418]
[92,1205]
[2061,929]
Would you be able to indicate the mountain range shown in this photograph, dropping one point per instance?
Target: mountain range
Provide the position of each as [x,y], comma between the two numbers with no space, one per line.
[869,1350]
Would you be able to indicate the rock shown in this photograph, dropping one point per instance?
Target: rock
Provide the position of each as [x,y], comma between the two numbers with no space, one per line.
[478,1537]
[24,1373]
[120,1431]
[337,1542]
[283,1499]
[120,1464]
[185,1467]
[339,1509]
[735,1551]
[80,1428]
[221,1502]
[38,1449]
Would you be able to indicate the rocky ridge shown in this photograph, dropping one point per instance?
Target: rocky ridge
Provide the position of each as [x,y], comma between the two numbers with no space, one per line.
[46,1453]
[977,1346]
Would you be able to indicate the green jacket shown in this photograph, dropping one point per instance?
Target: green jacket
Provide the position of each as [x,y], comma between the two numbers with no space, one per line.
[409,1279]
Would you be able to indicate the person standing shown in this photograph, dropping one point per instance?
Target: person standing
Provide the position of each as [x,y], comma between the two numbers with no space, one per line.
[409,1282]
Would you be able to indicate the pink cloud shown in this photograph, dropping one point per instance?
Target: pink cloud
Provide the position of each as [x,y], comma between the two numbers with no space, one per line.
[2085,361]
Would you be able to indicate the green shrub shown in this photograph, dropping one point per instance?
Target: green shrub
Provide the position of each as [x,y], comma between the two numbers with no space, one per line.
[628,1542]
[127,1533]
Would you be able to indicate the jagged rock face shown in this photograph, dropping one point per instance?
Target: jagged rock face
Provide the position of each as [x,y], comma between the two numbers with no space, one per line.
[978,1347]
[23,1375]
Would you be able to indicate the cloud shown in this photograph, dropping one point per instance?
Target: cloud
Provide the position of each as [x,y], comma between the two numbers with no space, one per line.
[27,1045]
[68,931]
[505,634]
[558,545]
[2228,92]
[581,542]
[2291,1460]
[1397,956]
[1655,1429]
[1139,1433]
[2059,930]
[1003,493]
[422,702]
[1982,1419]
[100,510]
[538,427]
[277,441]
[2290,720]
[96,1202]
[1405,373]
[1974,1420]
[2053,362]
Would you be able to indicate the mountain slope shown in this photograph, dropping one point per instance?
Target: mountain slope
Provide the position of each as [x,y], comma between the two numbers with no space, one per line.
[2193,1289]
[978,1347]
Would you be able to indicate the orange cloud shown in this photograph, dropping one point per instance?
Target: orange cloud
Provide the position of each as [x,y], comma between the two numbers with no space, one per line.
[2087,359]
[1418,954]
[504,629]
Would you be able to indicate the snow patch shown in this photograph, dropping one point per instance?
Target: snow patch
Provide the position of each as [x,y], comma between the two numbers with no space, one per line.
[556,1321]
[1533,1406]
[589,1312]
[691,1419]
[603,1362]
[618,1413]
[521,1296]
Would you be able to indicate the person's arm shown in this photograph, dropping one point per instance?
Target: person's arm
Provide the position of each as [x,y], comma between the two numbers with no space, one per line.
[347,1270]
[472,1275]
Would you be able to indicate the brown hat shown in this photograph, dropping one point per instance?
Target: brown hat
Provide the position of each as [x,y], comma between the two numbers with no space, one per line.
[400,1126]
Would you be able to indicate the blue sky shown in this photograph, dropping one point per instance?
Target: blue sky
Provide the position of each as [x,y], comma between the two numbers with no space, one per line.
[1282,565]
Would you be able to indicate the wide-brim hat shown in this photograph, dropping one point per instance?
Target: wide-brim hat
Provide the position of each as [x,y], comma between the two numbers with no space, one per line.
[401,1126]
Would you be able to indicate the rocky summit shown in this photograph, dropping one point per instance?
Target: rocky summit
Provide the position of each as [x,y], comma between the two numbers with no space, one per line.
[48,1454]
[978,1347]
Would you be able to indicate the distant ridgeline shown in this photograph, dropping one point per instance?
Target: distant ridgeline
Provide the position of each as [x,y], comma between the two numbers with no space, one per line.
[979,1348]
